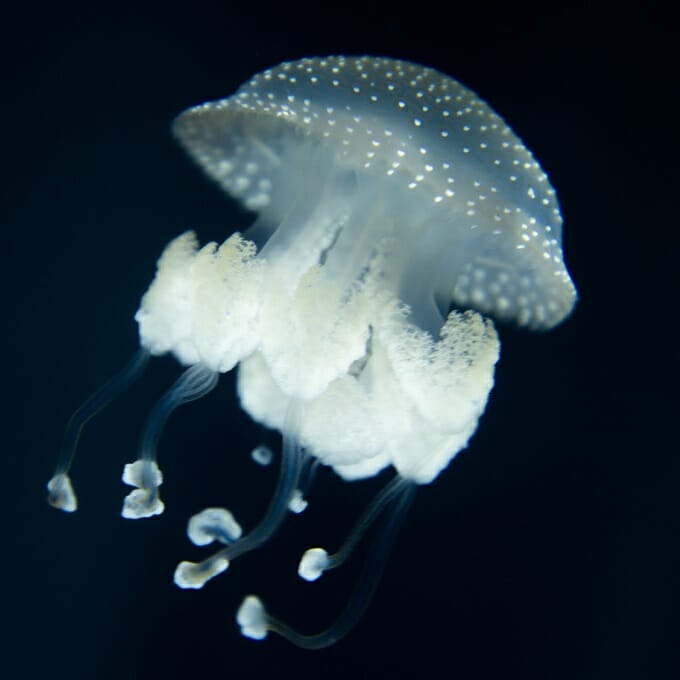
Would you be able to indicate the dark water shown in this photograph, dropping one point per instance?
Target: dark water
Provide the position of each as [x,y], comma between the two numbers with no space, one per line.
[548,549]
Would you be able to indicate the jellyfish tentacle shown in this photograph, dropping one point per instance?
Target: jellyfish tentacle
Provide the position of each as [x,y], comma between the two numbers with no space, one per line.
[144,474]
[255,622]
[207,526]
[196,574]
[298,502]
[316,560]
[308,474]
[60,490]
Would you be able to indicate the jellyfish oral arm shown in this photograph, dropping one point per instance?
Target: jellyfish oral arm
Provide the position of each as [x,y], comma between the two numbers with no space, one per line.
[203,304]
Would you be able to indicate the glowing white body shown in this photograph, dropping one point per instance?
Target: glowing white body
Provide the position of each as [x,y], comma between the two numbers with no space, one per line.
[396,213]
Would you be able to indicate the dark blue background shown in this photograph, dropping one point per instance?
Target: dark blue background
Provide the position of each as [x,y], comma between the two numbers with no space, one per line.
[548,549]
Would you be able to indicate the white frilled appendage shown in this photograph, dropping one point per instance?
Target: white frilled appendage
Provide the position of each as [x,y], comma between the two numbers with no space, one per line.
[203,304]
[376,390]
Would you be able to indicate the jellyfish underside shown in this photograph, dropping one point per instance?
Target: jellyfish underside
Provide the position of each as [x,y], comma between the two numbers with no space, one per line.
[356,308]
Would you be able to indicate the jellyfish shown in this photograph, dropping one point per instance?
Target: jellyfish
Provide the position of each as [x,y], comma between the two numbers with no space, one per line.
[397,217]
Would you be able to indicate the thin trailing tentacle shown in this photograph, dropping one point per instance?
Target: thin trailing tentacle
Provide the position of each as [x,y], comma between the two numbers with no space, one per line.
[255,622]
[195,574]
[60,489]
[144,474]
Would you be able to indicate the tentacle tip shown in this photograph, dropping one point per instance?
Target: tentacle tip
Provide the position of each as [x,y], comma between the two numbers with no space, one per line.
[141,503]
[313,563]
[194,575]
[60,493]
[252,618]
[297,503]
[144,474]
[262,455]
[213,524]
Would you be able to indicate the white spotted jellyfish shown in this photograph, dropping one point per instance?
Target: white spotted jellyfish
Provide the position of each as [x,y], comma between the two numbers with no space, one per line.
[397,215]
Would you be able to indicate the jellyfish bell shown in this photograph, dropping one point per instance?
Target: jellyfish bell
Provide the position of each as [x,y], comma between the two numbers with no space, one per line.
[397,214]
